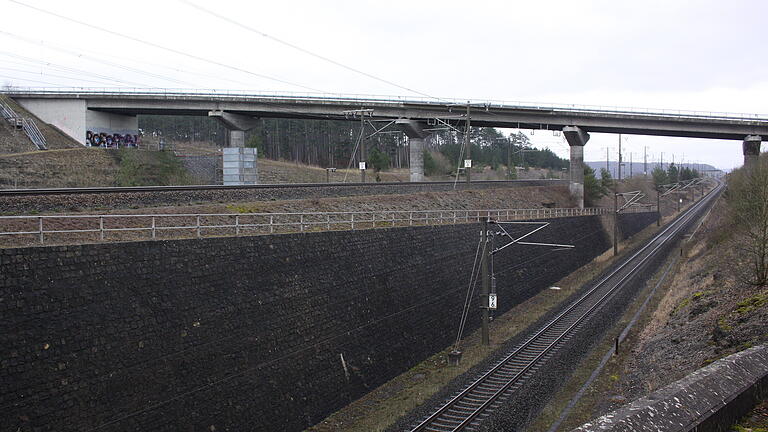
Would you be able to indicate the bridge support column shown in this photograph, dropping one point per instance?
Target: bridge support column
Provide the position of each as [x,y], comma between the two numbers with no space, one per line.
[577,138]
[415,132]
[235,138]
[751,149]
[236,125]
[239,164]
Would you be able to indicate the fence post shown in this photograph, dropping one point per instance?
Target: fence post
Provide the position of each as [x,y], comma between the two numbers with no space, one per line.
[353,221]
[410,218]
[454,217]
[328,222]
[301,222]
[42,238]
[198,226]
[101,227]
[237,224]
[271,226]
[393,218]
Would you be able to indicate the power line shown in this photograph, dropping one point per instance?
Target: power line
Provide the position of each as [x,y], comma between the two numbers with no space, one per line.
[57,76]
[79,55]
[158,46]
[29,80]
[298,48]
[63,68]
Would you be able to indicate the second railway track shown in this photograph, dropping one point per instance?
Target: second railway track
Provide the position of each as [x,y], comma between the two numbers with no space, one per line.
[467,409]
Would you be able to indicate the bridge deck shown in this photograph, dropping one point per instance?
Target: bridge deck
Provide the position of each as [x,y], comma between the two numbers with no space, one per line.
[690,124]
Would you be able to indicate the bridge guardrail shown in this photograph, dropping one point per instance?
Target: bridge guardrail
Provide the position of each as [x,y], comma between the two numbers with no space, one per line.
[59,229]
[357,98]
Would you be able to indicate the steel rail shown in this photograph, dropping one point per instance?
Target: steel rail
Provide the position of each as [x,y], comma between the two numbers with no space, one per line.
[128,189]
[659,241]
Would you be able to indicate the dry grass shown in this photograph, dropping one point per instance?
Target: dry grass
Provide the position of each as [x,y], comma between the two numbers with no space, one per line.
[75,167]
[626,376]
[55,138]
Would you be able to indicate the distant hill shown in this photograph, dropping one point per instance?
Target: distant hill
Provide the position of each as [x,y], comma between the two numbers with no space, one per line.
[636,168]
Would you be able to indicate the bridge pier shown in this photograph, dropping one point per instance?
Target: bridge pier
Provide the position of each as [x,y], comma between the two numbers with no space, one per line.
[577,138]
[415,132]
[236,125]
[239,165]
[751,147]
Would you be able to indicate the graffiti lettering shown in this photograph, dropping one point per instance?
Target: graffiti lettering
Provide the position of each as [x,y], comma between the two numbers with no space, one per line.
[105,139]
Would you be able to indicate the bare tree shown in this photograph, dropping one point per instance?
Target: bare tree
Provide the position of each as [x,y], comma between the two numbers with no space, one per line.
[748,204]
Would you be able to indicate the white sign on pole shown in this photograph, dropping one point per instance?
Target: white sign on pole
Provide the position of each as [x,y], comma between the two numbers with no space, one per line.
[362,165]
[492,301]
[467,163]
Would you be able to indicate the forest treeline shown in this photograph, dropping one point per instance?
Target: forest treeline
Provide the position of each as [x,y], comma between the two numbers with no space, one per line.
[330,143]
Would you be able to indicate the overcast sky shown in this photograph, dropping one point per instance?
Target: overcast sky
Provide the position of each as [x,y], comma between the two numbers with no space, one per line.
[691,55]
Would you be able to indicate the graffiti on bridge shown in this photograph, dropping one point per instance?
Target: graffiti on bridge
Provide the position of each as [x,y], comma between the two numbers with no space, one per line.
[108,139]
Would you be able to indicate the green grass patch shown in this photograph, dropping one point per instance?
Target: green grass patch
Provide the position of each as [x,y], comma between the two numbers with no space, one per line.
[755,302]
[145,168]
[681,306]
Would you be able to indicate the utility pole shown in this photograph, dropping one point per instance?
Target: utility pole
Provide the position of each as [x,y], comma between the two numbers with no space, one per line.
[631,170]
[362,146]
[469,149]
[645,161]
[509,159]
[486,288]
[619,169]
[615,224]
[658,207]
[607,166]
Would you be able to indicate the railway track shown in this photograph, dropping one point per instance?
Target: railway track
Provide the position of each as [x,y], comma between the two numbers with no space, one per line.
[106,190]
[466,410]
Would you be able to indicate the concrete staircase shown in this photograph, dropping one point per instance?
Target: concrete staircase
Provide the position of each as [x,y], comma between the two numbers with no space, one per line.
[28,125]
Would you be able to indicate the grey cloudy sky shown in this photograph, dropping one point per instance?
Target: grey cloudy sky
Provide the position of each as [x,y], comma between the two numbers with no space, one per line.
[692,55]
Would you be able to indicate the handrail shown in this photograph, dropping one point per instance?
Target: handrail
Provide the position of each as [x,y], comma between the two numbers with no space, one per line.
[34,134]
[7,112]
[265,223]
[28,125]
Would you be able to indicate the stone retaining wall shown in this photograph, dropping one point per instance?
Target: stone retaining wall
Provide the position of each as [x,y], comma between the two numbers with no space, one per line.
[246,333]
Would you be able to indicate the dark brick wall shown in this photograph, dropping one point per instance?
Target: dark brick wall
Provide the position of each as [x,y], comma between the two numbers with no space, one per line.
[632,223]
[241,333]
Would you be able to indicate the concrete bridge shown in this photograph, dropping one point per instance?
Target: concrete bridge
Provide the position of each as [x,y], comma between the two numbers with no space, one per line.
[78,111]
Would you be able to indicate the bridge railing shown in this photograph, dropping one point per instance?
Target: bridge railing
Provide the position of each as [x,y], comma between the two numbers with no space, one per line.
[362,98]
[34,134]
[62,229]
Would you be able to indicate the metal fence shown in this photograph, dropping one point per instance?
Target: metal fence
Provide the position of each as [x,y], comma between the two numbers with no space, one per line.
[59,229]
